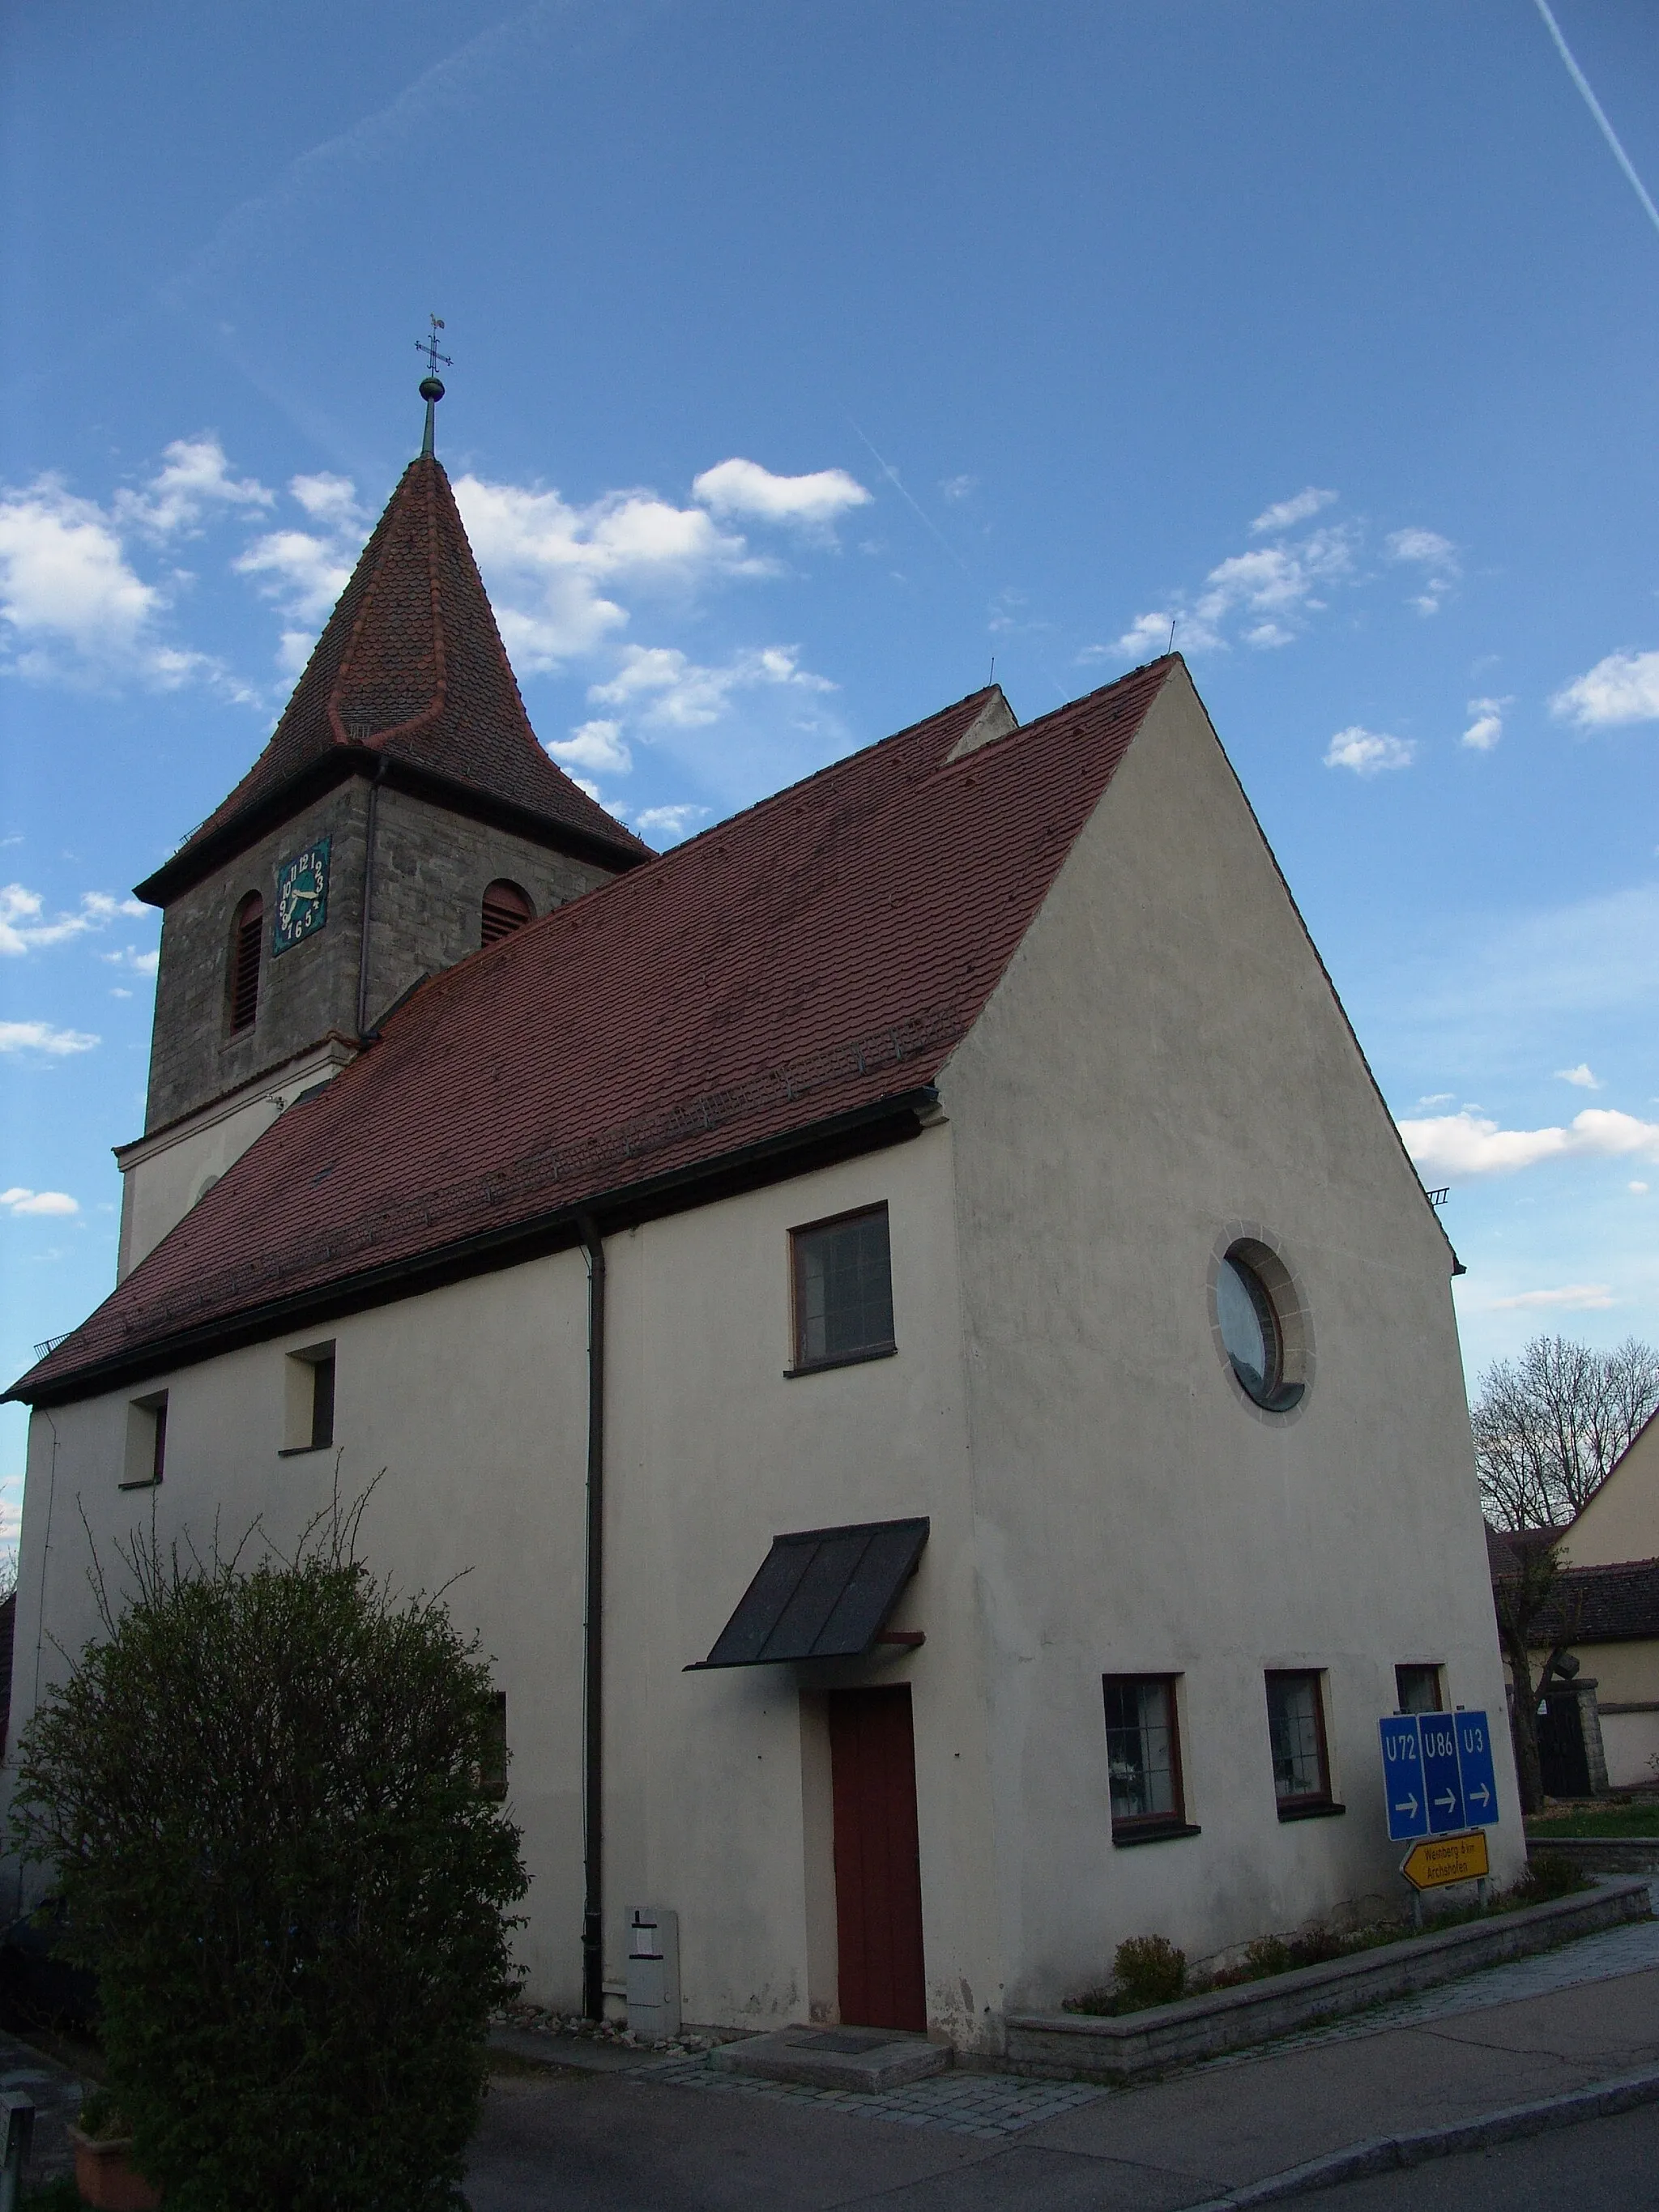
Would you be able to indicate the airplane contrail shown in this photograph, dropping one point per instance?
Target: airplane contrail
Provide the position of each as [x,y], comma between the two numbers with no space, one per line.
[1596,109]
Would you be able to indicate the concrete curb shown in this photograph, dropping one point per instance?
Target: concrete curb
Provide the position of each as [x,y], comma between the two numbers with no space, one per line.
[1392,2154]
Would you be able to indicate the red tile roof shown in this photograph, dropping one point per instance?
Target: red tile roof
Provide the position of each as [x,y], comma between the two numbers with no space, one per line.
[410,665]
[820,953]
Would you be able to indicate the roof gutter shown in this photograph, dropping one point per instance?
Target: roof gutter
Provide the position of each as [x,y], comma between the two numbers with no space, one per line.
[884,1121]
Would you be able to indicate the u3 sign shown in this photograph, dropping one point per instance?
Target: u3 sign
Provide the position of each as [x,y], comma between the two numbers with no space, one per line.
[1437,1773]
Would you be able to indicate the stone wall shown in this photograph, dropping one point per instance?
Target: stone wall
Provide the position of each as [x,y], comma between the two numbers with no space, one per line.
[430,869]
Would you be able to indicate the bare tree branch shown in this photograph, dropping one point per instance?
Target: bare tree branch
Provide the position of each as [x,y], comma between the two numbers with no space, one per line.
[1549,1425]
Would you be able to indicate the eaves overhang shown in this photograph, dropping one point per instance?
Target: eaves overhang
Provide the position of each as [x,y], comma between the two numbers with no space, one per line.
[871,1127]
[201,854]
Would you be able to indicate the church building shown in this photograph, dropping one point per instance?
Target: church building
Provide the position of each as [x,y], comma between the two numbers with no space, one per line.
[907,1314]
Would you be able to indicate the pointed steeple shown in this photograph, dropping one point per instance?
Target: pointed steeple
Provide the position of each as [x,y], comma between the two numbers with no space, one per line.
[409,677]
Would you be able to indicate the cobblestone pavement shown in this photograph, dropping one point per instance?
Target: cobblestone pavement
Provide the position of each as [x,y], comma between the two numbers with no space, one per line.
[993,2108]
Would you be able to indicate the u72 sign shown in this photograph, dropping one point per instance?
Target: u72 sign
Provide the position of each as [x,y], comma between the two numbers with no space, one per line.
[1437,1773]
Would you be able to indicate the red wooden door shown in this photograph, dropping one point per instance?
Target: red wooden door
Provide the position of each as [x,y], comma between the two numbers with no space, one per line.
[878,1861]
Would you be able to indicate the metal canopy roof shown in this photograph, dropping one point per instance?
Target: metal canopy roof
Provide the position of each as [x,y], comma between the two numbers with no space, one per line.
[822,1594]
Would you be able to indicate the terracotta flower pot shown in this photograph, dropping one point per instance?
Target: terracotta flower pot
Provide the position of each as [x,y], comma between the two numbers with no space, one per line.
[106,2178]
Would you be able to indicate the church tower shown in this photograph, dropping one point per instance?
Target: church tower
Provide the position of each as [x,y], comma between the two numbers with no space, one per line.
[402,815]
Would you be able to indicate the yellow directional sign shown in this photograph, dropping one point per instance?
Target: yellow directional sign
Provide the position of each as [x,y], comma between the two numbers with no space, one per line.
[1448,1858]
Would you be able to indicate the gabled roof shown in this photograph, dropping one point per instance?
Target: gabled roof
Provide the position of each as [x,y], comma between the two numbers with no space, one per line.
[410,669]
[803,964]
[1615,1604]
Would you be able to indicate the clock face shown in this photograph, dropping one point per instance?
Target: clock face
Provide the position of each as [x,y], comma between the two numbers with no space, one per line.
[302,896]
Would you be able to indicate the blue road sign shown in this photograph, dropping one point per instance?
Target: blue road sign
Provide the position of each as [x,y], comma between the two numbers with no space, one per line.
[1402,1778]
[1475,1768]
[1443,1785]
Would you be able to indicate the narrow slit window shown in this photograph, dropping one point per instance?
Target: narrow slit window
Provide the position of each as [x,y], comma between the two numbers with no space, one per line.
[506,908]
[1143,1758]
[308,1412]
[492,1757]
[322,1402]
[843,1290]
[147,1442]
[1296,1731]
[246,944]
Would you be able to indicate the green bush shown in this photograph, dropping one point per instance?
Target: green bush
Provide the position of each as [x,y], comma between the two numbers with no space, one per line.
[260,1793]
[1551,1873]
[1149,1971]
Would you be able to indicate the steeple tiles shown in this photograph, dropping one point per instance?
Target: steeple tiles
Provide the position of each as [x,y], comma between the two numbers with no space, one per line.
[411,671]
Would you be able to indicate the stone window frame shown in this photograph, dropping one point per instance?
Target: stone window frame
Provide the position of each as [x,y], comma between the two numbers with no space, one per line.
[1266,1253]
[249,910]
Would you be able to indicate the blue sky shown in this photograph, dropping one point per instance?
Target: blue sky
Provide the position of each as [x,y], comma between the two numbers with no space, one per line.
[1327,334]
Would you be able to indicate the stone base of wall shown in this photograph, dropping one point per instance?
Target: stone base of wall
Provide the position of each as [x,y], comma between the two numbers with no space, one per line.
[1599,1855]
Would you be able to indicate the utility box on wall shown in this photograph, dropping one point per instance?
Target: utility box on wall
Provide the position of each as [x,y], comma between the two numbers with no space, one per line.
[654,1972]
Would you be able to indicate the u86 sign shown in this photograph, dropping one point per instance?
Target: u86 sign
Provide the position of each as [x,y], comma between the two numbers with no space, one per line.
[1437,1773]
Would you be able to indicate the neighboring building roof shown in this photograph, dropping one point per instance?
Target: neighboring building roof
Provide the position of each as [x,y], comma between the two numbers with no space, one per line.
[1601,1605]
[820,1594]
[1507,1547]
[410,671]
[813,959]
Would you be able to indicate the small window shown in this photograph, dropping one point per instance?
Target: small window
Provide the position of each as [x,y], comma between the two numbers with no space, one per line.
[506,908]
[147,1442]
[1143,1758]
[1296,1731]
[1418,1690]
[308,1413]
[247,944]
[843,1291]
[492,1756]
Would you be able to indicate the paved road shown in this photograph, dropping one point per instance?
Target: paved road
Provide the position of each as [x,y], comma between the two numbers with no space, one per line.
[645,2143]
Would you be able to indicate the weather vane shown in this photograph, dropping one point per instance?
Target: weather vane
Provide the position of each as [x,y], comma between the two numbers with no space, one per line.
[432,389]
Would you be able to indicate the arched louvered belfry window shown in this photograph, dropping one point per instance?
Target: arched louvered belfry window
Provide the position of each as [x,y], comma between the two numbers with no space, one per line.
[246,943]
[506,908]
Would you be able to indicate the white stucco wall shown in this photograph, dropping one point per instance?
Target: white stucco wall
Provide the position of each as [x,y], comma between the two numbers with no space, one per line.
[1621,1522]
[1164,1058]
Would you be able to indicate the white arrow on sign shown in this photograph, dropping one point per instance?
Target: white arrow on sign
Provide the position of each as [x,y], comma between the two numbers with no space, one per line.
[1407,1806]
[1450,1799]
[1480,1796]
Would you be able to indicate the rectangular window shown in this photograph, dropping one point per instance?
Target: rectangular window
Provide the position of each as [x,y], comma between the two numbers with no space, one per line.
[492,1760]
[147,1442]
[1296,1731]
[1143,1758]
[308,1399]
[1418,1690]
[843,1291]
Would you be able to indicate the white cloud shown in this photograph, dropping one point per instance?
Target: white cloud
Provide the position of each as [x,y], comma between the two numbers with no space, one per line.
[1640,1188]
[1580,1076]
[329,500]
[666,825]
[1571,1297]
[661,686]
[1623,687]
[1487,728]
[595,745]
[42,1036]
[194,477]
[1268,633]
[1468,1143]
[140,963]
[23,927]
[1146,637]
[1438,1098]
[958,486]
[71,604]
[1435,555]
[1368,752]
[550,566]
[305,571]
[1285,513]
[740,487]
[19,1200]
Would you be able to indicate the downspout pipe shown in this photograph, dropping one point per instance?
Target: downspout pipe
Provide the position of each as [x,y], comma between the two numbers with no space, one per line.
[593,1640]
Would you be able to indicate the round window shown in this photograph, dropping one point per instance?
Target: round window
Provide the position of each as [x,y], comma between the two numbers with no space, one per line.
[1253,1335]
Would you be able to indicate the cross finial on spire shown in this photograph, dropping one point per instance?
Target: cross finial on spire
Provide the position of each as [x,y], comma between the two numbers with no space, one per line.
[431,390]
